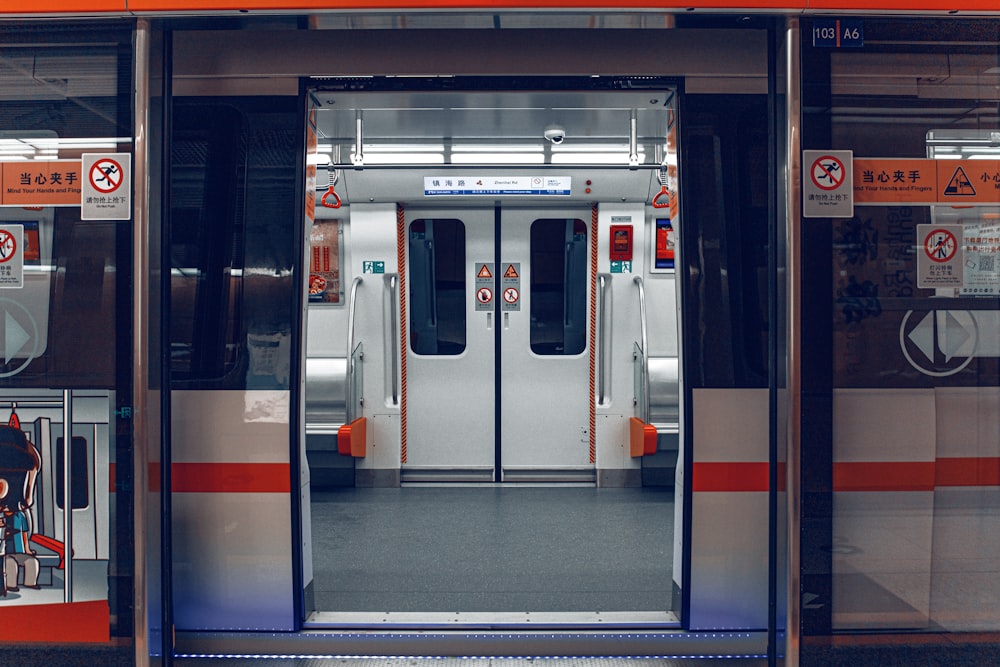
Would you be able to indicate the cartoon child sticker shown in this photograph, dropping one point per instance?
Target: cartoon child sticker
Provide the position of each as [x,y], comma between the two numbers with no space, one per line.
[19,466]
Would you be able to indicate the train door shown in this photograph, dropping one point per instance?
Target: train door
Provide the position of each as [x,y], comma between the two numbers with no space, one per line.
[497,363]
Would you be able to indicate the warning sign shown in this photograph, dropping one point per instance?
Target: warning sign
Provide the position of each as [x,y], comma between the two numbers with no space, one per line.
[828,184]
[40,183]
[484,286]
[940,260]
[107,186]
[959,185]
[892,181]
[510,286]
[11,255]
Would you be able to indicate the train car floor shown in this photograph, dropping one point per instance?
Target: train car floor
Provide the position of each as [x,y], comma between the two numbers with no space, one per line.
[493,549]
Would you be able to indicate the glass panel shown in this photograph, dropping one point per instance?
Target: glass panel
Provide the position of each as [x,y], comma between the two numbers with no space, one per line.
[558,286]
[66,307]
[437,287]
[899,356]
[232,209]
[81,479]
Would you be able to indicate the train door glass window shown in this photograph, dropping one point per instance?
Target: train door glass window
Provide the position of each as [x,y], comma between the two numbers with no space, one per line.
[558,286]
[68,320]
[80,477]
[895,304]
[207,240]
[437,286]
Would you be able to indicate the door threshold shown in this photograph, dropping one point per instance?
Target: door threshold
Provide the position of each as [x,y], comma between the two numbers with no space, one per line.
[503,620]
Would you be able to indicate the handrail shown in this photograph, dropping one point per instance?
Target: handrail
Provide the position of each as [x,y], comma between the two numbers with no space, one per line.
[644,415]
[392,285]
[349,388]
[602,283]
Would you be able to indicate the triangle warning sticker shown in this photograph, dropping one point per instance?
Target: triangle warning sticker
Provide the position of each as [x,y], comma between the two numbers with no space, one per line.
[511,272]
[960,185]
[484,272]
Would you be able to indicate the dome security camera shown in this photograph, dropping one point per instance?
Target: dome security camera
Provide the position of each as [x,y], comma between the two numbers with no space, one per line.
[554,133]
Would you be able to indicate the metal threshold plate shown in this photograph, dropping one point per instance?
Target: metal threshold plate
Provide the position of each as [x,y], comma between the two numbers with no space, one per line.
[645,620]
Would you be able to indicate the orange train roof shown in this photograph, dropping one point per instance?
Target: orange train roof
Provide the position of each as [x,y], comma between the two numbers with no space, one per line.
[125,7]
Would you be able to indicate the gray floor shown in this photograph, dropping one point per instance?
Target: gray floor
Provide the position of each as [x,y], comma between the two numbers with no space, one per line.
[493,549]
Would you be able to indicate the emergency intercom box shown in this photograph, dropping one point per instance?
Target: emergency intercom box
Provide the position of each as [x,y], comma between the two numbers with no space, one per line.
[621,243]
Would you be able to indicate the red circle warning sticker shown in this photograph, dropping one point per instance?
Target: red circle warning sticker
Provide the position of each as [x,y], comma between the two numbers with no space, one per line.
[940,245]
[8,246]
[484,295]
[511,295]
[106,175]
[828,173]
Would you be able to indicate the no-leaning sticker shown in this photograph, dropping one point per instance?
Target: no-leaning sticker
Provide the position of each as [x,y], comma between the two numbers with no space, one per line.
[107,186]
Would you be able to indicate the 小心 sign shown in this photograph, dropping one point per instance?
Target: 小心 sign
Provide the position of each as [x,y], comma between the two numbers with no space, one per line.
[40,183]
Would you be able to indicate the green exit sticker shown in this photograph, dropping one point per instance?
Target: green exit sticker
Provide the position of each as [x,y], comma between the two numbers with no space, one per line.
[620,266]
[372,267]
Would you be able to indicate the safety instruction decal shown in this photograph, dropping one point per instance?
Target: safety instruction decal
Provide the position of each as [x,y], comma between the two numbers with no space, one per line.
[940,257]
[484,286]
[40,183]
[11,255]
[981,248]
[828,184]
[510,287]
[892,181]
[107,186]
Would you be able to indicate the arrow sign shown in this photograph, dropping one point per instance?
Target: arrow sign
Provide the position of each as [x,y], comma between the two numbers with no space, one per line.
[14,337]
[943,342]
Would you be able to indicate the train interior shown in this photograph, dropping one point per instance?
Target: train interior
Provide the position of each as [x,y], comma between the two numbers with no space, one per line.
[492,378]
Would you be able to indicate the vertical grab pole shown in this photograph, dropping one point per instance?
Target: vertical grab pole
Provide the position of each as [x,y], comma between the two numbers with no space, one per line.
[644,369]
[391,284]
[602,295]
[67,486]
[351,398]
[633,140]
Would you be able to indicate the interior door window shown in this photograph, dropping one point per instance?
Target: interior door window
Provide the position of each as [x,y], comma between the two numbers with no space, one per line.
[437,286]
[558,286]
